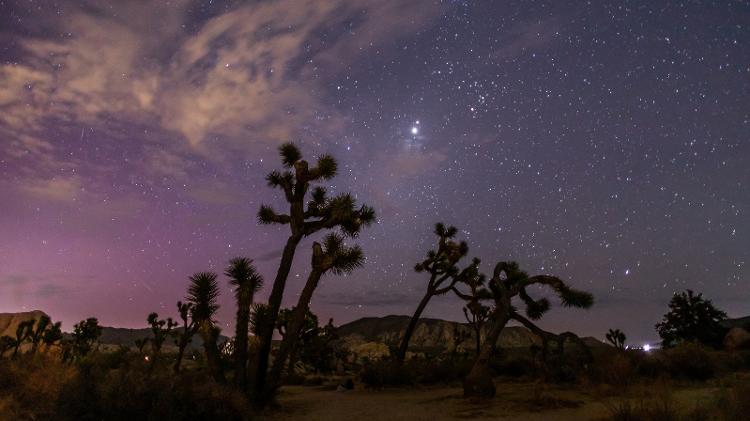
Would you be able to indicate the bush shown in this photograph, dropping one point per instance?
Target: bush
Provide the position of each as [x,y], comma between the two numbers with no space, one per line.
[689,361]
[385,372]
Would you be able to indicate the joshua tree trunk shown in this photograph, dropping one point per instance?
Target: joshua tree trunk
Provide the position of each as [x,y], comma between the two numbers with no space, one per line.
[184,340]
[401,353]
[241,344]
[274,304]
[295,325]
[478,383]
[478,332]
[210,336]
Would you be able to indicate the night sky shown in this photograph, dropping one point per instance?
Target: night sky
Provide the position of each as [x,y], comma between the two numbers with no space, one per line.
[605,142]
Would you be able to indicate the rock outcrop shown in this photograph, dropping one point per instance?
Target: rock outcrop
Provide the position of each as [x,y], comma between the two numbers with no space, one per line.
[9,321]
[737,338]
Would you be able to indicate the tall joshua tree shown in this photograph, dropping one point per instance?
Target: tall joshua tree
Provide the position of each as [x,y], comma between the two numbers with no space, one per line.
[246,281]
[161,329]
[507,282]
[184,337]
[203,293]
[441,266]
[334,256]
[321,213]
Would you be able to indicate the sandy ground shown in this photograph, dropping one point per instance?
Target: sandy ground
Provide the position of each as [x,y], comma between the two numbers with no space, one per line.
[515,401]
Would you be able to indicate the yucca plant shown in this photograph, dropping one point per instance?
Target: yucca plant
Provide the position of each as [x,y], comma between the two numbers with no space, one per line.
[203,294]
[246,281]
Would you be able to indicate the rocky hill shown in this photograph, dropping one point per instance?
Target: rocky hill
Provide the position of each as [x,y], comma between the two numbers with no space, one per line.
[375,334]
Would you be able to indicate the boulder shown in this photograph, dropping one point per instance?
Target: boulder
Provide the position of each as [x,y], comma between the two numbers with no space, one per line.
[737,338]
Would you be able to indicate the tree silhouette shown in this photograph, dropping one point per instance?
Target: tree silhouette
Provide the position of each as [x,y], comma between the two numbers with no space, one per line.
[23,332]
[6,344]
[161,330]
[246,281]
[37,332]
[616,337]
[507,282]
[185,310]
[334,256]
[85,335]
[691,318]
[52,335]
[203,294]
[475,312]
[441,266]
[321,213]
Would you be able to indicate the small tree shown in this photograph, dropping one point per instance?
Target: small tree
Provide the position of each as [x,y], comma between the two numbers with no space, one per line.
[475,312]
[52,336]
[185,336]
[203,294]
[246,281]
[86,333]
[441,266]
[616,337]
[23,332]
[160,329]
[37,332]
[507,282]
[691,318]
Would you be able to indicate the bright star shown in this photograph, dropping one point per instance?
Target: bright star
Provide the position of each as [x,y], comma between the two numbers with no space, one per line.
[414,130]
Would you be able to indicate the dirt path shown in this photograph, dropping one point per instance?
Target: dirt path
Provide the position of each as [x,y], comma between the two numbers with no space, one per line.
[515,401]
[518,401]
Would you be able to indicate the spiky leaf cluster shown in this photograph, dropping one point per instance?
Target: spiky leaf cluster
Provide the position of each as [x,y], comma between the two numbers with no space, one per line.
[203,294]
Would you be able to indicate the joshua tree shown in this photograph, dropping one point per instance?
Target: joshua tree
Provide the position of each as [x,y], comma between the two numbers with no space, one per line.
[141,343]
[616,337]
[6,343]
[334,256]
[37,332]
[441,266]
[52,335]
[203,293]
[161,329]
[475,312]
[246,282]
[23,332]
[85,334]
[507,282]
[691,318]
[188,330]
[321,213]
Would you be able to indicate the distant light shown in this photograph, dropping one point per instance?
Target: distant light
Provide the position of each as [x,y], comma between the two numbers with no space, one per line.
[647,347]
[146,358]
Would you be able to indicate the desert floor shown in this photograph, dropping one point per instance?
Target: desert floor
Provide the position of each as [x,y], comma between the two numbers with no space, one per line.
[515,401]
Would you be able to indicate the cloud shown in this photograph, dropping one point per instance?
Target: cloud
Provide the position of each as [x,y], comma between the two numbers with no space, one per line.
[58,189]
[252,76]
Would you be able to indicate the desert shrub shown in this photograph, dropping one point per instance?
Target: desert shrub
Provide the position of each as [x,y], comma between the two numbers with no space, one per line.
[29,386]
[441,370]
[515,366]
[688,361]
[733,403]
[386,372]
[616,369]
